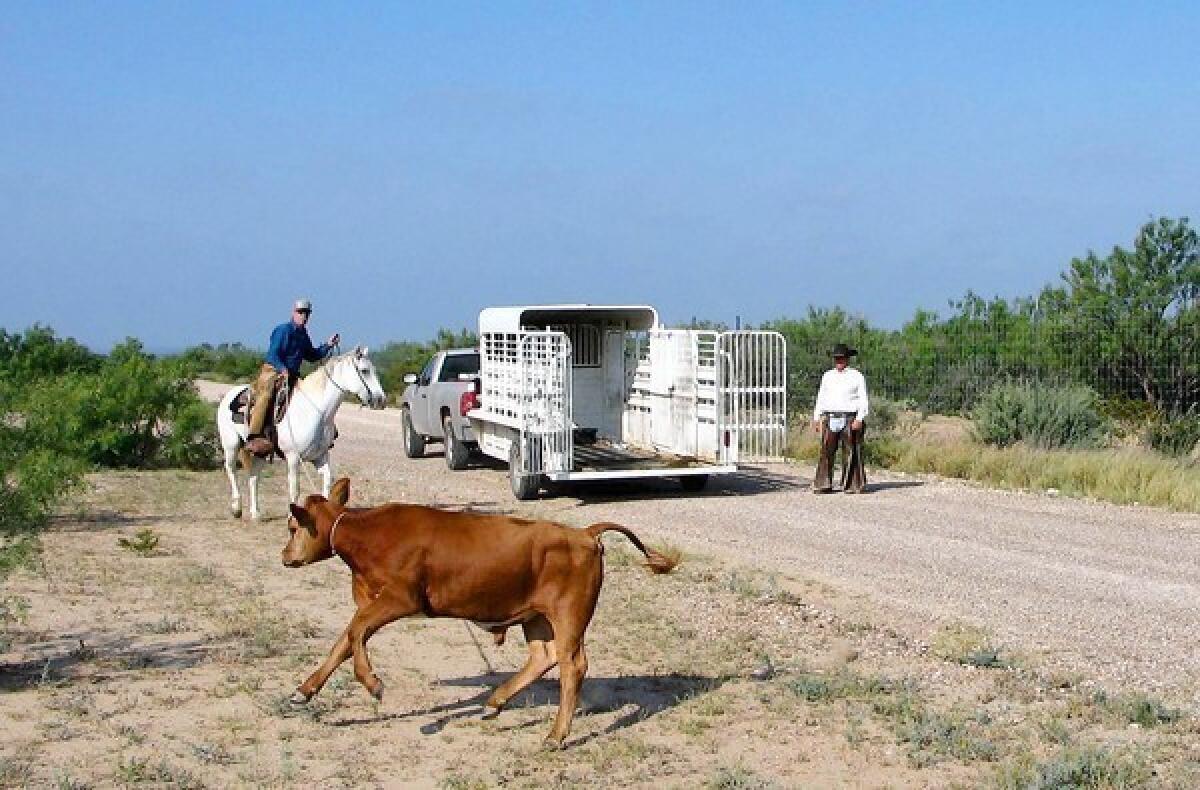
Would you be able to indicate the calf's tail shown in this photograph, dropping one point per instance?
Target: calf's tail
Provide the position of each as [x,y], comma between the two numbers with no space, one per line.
[656,561]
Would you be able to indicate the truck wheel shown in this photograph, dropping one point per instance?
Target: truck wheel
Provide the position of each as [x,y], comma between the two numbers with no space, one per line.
[524,487]
[414,443]
[457,452]
[693,483]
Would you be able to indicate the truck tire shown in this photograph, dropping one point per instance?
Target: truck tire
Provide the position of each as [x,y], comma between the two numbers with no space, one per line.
[693,483]
[524,487]
[457,452]
[414,443]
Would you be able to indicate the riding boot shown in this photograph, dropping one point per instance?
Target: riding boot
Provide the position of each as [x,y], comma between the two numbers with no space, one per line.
[260,446]
[264,389]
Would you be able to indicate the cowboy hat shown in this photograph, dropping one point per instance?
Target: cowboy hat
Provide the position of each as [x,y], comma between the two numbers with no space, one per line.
[843,350]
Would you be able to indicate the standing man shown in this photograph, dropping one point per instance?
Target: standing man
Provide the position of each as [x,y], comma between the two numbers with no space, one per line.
[290,347]
[838,417]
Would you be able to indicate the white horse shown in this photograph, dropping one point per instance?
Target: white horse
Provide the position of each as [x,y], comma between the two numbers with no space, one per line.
[306,431]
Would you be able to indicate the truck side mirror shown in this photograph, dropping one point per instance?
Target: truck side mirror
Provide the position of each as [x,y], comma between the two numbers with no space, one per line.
[410,378]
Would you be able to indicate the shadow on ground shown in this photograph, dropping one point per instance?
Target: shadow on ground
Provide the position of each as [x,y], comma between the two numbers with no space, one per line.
[94,656]
[94,520]
[646,695]
[747,481]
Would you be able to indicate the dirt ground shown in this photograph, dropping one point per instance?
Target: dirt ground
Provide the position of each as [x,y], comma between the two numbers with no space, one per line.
[927,634]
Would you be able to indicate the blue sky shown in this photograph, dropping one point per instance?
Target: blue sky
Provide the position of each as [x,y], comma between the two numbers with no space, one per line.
[180,172]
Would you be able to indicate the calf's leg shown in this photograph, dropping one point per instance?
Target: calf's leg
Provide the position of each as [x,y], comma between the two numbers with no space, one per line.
[341,651]
[542,657]
[572,666]
[391,605]
[316,681]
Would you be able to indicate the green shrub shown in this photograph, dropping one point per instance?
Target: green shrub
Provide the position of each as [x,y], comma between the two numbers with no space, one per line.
[885,414]
[1077,768]
[38,354]
[1178,436]
[226,362]
[136,411]
[1042,416]
[32,477]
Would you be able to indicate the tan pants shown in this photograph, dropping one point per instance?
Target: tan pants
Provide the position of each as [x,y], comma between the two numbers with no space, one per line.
[264,399]
[854,475]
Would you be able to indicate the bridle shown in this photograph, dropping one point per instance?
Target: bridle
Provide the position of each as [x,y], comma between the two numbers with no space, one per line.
[366,387]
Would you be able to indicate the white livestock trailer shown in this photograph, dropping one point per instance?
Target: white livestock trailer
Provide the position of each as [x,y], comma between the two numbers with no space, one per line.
[591,392]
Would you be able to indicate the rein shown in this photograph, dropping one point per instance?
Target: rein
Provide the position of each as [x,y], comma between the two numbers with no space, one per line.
[333,530]
[340,388]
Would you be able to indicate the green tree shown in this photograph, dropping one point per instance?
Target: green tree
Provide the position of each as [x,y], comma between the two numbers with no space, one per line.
[1136,313]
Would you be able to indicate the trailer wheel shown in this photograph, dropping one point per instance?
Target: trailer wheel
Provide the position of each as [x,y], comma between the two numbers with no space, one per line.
[457,452]
[524,487]
[414,443]
[693,483]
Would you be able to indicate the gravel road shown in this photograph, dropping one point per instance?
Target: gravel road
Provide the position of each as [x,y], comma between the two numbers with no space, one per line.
[1107,591]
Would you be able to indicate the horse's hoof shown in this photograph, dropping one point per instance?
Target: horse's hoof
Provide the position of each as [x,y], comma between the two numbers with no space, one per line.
[552,744]
[490,712]
[235,512]
[299,698]
[377,692]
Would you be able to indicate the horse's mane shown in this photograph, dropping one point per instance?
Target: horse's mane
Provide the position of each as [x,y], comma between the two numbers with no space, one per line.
[314,383]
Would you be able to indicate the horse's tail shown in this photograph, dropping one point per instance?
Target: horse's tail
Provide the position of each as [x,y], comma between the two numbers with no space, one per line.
[656,561]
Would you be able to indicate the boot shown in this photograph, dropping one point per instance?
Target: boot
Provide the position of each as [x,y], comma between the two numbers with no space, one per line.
[260,446]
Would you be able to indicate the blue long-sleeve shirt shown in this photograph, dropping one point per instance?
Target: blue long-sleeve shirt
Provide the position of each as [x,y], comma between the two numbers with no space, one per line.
[291,346]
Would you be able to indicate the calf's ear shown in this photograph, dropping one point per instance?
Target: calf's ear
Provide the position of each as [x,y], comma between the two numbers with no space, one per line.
[301,516]
[339,494]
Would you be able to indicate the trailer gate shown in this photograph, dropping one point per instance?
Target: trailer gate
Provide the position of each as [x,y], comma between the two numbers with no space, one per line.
[753,394]
[545,381]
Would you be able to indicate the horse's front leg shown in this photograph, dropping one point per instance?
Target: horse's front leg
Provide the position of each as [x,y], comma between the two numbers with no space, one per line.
[293,465]
[256,465]
[325,467]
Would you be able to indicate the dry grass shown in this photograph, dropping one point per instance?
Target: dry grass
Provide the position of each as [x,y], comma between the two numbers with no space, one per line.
[715,674]
[1126,476]
[1122,476]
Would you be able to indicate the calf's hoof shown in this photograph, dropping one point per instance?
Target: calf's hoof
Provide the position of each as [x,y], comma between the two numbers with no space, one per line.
[299,698]
[552,744]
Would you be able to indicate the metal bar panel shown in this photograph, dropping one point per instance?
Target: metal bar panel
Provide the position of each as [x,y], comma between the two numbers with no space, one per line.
[545,411]
[753,392]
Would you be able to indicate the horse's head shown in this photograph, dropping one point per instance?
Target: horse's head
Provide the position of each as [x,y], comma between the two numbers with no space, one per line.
[355,373]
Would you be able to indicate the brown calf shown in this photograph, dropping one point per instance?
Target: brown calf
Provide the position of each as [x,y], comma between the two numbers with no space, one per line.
[495,570]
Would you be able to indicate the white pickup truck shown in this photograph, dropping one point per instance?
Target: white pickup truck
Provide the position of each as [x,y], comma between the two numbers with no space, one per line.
[435,404]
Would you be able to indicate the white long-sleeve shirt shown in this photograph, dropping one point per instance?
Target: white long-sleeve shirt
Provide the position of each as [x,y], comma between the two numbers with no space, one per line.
[844,390]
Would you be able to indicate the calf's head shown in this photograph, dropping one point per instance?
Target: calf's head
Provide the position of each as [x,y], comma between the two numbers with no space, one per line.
[310,523]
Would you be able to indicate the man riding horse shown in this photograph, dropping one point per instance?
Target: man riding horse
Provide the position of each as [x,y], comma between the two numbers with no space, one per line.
[290,347]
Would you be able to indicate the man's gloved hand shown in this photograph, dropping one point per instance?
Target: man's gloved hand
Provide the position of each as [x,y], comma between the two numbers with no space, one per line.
[334,339]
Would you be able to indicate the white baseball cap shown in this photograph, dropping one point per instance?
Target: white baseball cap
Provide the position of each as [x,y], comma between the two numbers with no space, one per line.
[302,304]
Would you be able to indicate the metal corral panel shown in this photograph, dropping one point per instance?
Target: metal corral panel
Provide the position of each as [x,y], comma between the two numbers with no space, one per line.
[672,406]
[545,364]
[753,393]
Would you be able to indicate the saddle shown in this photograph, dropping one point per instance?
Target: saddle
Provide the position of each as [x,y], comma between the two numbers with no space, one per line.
[241,406]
